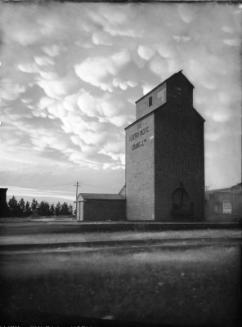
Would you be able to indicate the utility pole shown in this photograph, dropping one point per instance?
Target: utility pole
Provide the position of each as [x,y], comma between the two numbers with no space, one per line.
[77,184]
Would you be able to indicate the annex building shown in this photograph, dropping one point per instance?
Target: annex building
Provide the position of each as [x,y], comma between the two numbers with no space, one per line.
[224,204]
[164,172]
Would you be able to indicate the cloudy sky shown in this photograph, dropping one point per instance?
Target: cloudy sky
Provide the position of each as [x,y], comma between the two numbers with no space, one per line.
[70,74]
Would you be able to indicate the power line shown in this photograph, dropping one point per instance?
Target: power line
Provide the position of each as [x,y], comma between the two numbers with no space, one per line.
[77,185]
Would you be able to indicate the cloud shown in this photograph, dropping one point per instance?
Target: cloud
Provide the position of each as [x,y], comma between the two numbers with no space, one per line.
[43,61]
[95,69]
[56,87]
[29,68]
[158,66]
[10,90]
[101,38]
[52,50]
[145,52]
[53,88]
[166,49]
[186,13]
[88,104]
[28,27]
[232,42]
[123,85]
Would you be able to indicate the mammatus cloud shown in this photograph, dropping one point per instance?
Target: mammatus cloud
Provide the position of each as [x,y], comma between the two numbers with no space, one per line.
[94,70]
[72,72]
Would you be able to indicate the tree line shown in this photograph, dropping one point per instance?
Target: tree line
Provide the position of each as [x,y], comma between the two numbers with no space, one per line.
[23,208]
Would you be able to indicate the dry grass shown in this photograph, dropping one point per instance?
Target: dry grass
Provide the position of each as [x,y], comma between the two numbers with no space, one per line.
[193,287]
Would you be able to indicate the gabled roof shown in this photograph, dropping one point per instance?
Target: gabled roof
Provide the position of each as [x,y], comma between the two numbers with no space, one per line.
[165,81]
[99,196]
[234,188]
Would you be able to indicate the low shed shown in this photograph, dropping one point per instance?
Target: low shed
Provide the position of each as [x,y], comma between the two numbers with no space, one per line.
[224,203]
[100,207]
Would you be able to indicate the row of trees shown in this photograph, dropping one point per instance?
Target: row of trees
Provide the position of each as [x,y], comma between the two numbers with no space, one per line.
[24,209]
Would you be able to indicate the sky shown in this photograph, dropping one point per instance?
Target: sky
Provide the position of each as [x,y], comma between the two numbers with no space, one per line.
[70,76]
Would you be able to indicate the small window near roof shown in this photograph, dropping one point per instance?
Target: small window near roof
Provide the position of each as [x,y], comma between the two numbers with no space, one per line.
[150,101]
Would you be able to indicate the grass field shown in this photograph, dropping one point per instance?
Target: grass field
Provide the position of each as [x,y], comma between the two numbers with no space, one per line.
[195,286]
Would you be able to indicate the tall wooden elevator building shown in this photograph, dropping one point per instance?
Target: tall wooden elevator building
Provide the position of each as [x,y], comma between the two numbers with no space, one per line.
[165,155]
[164,173]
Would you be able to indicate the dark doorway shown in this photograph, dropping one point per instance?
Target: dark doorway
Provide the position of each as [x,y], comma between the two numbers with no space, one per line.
[182,207]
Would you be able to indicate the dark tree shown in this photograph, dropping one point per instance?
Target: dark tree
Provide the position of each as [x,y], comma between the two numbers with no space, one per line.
[70,209]
[25,209]
[64,209]
[28,210]
[58,209]
[52,210]
[43,209]
[13,206]
[21,207]
[34,206]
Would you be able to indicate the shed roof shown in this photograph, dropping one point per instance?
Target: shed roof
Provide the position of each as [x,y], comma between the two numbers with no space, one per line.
[100,196]
[233,189]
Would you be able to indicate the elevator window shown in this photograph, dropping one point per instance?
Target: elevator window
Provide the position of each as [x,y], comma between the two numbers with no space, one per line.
[150,101]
